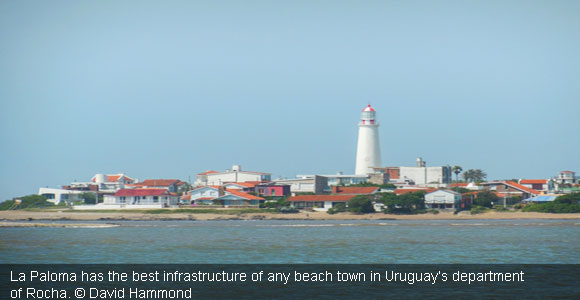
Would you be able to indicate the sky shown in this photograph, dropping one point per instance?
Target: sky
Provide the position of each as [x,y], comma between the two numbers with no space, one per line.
[169,89]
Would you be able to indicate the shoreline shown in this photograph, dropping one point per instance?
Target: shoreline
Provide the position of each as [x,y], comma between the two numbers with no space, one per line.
[188,216]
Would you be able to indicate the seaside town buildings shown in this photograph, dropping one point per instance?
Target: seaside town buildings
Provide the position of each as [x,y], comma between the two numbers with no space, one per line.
[234,175]
[239,188]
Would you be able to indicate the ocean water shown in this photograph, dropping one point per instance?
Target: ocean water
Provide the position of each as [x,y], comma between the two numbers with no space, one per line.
[383,242]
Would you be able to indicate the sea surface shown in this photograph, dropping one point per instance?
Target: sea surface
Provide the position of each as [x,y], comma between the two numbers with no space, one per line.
[269,241]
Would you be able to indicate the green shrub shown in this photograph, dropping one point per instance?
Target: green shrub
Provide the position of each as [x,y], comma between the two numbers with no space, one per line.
[361,204]
[500,208]
[287,210]
[485,199]
[478,210]
[573,198]
[339,207]
[552,207]
[6,204]
[275,204]
[30,201]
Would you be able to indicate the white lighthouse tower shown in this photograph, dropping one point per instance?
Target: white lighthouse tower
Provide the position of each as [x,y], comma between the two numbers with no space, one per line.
[368,151]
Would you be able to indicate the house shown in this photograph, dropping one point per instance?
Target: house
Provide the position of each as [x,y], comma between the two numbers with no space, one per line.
[318,202]
[339,178]
[443,199]
[168,184]
[141,198]
[111,183]
[56,196]
[236,198]
[536,184]
[419,175]
[567,177]
[218,195]
[246,187]
[234,175]
[316,184]
[272,189]
[510,189]
[204,195]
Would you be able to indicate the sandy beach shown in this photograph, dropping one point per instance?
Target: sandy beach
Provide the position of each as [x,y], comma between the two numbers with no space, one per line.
[105,216]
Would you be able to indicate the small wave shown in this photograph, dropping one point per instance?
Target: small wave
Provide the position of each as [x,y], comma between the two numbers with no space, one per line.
[299,225]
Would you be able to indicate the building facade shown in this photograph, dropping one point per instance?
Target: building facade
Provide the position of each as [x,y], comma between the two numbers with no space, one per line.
[234,175]
[443,199]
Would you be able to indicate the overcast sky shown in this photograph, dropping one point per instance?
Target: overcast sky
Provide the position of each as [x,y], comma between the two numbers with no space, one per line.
[168,89]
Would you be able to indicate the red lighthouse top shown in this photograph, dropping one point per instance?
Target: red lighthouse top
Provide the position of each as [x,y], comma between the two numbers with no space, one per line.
[368,108]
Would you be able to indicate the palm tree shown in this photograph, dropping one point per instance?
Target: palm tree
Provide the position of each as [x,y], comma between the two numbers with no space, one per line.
[474,175]
[457,170]
[479,175]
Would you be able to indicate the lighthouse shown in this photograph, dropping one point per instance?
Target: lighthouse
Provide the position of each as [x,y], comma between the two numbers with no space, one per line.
[368,151]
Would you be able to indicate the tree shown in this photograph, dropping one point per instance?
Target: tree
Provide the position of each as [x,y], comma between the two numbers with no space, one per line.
[405,203]
[474,175]
[183,188]
[361,204]
[457,170]
[573,198]
[485,198]
[90,198]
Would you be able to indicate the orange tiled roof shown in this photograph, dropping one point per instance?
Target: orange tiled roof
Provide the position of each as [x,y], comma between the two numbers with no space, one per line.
[354,190]
[522,188]
[114,178]
[317,198]
[533,181]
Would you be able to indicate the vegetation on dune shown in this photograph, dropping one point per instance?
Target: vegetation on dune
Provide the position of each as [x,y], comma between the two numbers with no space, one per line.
[564,204]
[27,202]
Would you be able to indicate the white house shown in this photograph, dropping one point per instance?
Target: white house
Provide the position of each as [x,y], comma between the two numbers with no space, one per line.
[57,195]
[218,195]
[111,183]
[204,195]
[443,199]
[234,175]
[318,202]
[141,198]
[315,184]
[537,184]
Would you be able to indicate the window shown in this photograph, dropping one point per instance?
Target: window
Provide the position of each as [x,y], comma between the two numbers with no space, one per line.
[123,199]
[155,199]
